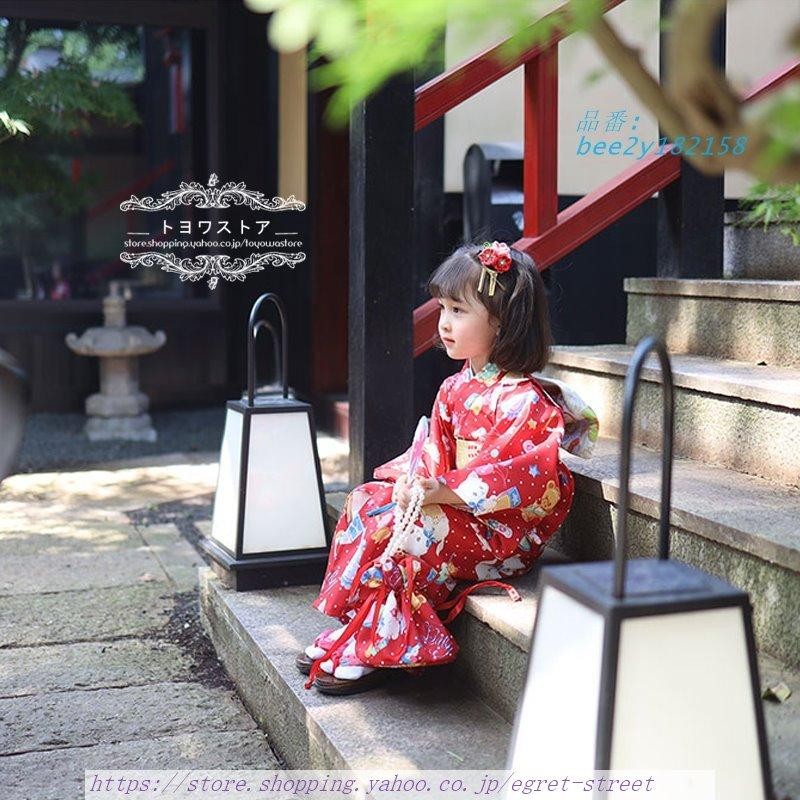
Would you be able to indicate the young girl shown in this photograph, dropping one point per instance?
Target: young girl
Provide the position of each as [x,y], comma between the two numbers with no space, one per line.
[494,488]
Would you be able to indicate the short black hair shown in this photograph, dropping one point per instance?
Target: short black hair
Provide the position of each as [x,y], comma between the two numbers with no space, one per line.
[519,303]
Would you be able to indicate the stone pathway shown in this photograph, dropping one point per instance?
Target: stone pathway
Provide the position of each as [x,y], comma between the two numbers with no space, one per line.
[103,662]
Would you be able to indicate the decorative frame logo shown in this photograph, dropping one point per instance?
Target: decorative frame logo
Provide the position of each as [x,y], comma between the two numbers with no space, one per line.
[211,266]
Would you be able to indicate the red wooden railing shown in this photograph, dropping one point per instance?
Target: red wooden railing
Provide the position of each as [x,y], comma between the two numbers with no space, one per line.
[549,235]
[112,201]
[459,83]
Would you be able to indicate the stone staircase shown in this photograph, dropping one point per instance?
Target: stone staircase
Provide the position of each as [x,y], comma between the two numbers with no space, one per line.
[736,513]
[736,502]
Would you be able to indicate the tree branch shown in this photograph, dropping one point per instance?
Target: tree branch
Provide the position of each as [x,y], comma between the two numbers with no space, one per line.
[698,100]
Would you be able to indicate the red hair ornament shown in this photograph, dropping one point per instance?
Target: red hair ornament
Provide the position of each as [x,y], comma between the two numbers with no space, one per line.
[494,257]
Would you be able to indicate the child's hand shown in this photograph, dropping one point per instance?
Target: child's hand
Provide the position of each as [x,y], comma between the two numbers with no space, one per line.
[401,494]
[402,491]
[431,488]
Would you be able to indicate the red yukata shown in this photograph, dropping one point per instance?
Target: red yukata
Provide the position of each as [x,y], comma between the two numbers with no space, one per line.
[493,439]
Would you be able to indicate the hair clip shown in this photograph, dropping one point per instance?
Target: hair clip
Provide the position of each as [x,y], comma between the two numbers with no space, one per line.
[494,257]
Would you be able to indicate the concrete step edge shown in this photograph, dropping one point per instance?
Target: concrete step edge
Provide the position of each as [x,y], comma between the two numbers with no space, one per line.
[781,291]
[765,385]
[257,635]
[742,512]
[739,517]
[440,726]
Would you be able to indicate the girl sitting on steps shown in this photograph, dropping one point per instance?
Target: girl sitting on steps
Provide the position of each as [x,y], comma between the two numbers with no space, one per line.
[490,482]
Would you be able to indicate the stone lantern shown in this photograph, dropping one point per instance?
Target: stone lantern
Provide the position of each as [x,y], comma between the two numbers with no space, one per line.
[119,409]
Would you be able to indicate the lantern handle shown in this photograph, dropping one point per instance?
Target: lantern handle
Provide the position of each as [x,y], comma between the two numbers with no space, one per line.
[643,349]
[252,330]
[276,355]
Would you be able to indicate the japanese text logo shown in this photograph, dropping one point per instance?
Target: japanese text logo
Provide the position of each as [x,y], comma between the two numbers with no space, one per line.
[160,249]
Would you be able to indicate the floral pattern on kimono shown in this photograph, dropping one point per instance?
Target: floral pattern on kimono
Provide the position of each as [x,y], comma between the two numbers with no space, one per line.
[493,440]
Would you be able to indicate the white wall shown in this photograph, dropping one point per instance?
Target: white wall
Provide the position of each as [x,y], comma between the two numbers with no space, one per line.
[756,44]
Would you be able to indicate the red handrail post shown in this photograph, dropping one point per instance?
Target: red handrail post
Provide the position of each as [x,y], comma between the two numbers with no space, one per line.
[548,235]
[540,173]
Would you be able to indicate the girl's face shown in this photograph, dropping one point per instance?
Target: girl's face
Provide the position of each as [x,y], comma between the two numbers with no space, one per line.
[466,329]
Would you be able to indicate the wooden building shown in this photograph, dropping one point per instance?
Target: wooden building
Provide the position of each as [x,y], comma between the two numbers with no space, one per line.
[212,96]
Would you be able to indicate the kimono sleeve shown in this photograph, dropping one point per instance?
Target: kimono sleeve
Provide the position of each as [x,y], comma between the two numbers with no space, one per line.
[515,476]
[439,452]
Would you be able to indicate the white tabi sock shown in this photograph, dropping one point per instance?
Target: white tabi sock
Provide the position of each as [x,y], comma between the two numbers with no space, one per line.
[351,673]
[313,651]
[350,667]
[345,671]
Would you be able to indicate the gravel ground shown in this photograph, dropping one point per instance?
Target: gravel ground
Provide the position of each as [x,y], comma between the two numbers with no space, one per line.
[57,441]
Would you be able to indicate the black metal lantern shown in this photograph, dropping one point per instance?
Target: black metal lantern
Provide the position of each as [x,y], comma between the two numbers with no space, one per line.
[269,526]
[646,665]
[275,386]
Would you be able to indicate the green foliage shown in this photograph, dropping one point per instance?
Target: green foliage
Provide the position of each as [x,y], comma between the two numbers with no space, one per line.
[778,205]
[357,45]
[55,108]
[780,116]
[110,52]
[64,101]
[59,105]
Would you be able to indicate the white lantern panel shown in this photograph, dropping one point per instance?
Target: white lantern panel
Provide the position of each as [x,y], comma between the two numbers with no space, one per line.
[684,699]
[226,501]
[557,720]
[282,510]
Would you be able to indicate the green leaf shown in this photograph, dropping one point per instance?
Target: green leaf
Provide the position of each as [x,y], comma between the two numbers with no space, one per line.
[264,6]
[293,24]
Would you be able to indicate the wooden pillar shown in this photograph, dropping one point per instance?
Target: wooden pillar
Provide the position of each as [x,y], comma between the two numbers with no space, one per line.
[328,179]
[431,367]
[691,210]
[381,292]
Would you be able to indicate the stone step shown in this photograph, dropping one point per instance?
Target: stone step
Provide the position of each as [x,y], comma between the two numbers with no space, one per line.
[495,637]
[729,413]
[757,321]
[471,703]
[740,528]
[433,721]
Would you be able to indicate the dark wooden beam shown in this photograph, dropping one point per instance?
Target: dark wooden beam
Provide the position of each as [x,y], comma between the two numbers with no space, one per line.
[429,239]
[161,13]
[690,221]
[381,277]
[328,192]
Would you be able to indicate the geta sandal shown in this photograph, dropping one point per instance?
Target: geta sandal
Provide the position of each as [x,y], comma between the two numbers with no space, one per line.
[329,684]
[304,662]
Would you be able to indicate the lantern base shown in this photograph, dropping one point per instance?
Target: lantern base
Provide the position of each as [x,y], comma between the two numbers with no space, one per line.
[265,572]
